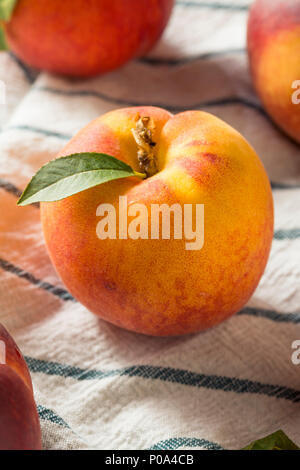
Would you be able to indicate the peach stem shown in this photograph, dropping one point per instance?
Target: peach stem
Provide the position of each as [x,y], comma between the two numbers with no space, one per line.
[143,137]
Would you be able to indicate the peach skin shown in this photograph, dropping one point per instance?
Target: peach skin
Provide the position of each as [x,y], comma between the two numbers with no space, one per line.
[19,421]
[82,38]
[274,52]
[158,286]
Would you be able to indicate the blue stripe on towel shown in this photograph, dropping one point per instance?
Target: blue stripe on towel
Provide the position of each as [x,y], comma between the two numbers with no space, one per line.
[66,296]
[177,442]
[278,185]
[290,234]
[29,73]
[21,273]
[271,315]
[167,374]
[10,188]
[185,60]
[153,61]
[38,130]
[212,5]
[227,101]
[46,414]
[49,415]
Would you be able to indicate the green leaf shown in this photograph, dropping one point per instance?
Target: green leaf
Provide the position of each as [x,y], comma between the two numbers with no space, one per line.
[6,9]
[69,175]
[3,43]
[276,441]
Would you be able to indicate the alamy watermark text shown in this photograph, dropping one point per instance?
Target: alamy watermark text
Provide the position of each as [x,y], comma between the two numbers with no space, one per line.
[188,222]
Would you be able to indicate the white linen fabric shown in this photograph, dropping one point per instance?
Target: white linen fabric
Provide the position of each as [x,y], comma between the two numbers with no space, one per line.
[98,386]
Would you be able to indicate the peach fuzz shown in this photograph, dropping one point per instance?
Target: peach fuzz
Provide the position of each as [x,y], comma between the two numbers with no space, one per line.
[157,287]
[274,54]
[85,37]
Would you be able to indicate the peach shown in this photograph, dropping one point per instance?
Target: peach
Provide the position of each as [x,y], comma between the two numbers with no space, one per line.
[157,286]
[19,422]
[85,37]
[274,52]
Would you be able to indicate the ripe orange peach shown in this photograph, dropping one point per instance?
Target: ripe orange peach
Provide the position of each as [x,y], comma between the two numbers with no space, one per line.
[274,53]
[85,37]
[19,421]
[157,286]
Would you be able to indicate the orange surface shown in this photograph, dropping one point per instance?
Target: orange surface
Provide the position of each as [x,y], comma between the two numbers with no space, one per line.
[158,287]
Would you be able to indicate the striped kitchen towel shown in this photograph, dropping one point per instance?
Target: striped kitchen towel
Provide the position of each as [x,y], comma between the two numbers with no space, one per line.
[96,385]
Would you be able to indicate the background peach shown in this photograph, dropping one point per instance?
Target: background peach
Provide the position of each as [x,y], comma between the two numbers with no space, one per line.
[19,421]
[274,52]
[85,37]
